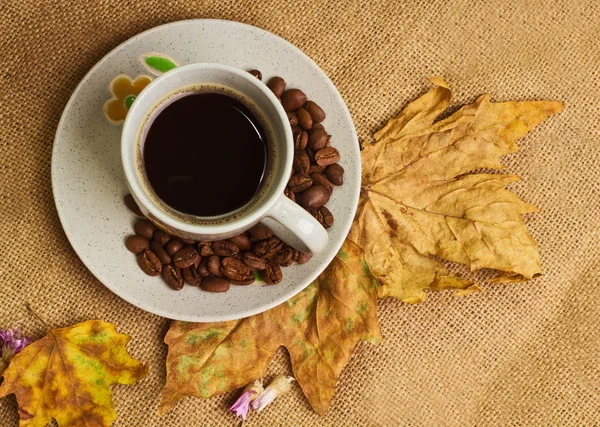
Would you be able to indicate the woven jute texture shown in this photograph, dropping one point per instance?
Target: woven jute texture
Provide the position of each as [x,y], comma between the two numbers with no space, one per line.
[521,354]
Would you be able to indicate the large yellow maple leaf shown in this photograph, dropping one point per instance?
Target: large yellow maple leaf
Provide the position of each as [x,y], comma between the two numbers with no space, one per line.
[319,327]
[418,200]
[67,376]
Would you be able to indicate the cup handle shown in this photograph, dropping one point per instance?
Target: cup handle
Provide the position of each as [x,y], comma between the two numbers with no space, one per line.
[299,222]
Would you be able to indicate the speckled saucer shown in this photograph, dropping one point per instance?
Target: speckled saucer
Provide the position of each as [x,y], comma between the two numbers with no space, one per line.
[89,184]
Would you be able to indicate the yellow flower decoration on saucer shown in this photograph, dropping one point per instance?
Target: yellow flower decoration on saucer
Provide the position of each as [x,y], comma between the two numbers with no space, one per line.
[124,91]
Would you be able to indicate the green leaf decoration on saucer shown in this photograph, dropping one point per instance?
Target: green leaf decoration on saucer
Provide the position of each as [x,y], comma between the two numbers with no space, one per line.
[157,63]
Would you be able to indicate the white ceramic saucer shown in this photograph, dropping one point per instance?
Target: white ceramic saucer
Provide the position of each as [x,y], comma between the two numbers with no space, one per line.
[89,184]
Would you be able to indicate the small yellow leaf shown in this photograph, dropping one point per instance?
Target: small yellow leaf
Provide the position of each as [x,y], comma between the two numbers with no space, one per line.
[67,376]
[418,200]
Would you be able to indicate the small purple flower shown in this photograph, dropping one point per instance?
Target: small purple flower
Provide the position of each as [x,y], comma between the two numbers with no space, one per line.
[12,342]
[279,385]
[242,404]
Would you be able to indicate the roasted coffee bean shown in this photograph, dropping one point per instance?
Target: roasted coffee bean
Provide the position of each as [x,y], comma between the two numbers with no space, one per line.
[318,125]
[287,263]
[242,241]
[301,161]
[313,198]
[214,284]
[256,73]
[203,268]
[137,244]
[272,274]
[277,86]
[188,241]
[302,258]
[295,129]
[289,194]
[300,139]
[173,246]
[185,257]
[299,182]
[335,174]
[254,261]
[267,248]
[161,237]
[327,156]
[284,256]
[292,118]
[316,112]
[160,252]
[191,276]
[327,216]
[292,99]
[205,248]
[311,155]
[250,280]
[225,248]
[149,263]
[315,169]
[235,269]
[144,228]
[172,276]
[304,118]
[323,215]
[317,139]
[214,266]
[319,179]
[132,205]
[260,232]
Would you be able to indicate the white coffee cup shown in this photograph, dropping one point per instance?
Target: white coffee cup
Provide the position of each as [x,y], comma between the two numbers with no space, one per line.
[270,200]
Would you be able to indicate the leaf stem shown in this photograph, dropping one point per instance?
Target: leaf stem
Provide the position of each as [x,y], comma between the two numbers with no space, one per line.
[37,316]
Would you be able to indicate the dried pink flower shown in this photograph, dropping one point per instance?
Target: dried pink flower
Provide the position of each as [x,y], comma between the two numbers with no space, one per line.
[279,386]
[242,404]
[11,342]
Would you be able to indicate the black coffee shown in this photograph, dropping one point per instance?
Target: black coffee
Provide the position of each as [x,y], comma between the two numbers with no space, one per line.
[205,154]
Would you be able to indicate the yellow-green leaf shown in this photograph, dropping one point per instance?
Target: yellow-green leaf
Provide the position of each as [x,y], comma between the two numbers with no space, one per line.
[416,201]
[67,376]
[319,327]
[157,63]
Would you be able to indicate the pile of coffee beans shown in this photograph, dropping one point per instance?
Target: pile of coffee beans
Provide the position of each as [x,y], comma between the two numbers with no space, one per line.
[257,253]
[211,265]
[316,170]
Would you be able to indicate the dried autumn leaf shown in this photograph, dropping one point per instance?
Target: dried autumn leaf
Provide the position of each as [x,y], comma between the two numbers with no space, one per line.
[417,202]
[67,375]
[319,327]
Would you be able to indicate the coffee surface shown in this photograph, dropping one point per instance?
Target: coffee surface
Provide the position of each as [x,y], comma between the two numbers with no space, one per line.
[205,154]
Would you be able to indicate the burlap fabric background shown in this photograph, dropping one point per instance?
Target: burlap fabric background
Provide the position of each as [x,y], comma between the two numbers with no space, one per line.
[525,354]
